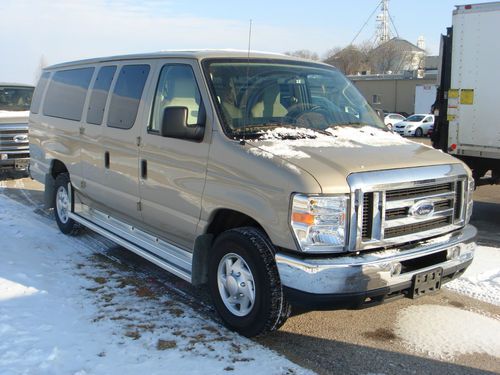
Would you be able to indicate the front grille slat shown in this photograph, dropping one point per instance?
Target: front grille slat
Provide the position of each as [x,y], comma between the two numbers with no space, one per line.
[367,216]
[418,227]
[417,192]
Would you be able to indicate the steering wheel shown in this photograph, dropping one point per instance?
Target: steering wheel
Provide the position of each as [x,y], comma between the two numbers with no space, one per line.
[314,117]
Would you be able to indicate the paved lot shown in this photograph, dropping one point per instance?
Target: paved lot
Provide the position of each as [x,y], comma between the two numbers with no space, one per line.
[334,342]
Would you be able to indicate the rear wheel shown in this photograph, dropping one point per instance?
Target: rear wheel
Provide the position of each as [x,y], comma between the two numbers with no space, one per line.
[244,282]
[62,206]
[418,132]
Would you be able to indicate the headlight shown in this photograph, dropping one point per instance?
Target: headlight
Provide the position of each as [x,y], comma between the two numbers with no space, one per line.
[319,222]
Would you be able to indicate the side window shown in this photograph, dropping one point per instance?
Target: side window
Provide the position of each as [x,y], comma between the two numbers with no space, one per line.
[37,95]
[67,92]
[127,96]
[177,87]
[99,94]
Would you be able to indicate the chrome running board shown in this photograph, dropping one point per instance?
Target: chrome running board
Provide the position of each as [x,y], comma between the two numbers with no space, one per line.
[165,255]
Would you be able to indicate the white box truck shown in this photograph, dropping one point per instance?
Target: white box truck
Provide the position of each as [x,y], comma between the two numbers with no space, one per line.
[468,126]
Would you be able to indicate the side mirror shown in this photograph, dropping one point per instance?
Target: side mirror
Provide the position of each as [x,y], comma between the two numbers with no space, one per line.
[175,125]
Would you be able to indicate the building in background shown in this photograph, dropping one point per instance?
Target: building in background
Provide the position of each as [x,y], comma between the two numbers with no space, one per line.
[393,92]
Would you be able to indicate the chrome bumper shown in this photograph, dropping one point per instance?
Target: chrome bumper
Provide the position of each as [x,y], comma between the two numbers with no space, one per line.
[352,274]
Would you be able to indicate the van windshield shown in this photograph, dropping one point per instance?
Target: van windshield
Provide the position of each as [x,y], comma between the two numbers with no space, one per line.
[256,95]
[15,98]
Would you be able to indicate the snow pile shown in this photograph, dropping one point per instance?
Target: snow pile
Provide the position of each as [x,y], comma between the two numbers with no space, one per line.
[66,309]
[482,278]
[290,142]
[10,289]
[444,332]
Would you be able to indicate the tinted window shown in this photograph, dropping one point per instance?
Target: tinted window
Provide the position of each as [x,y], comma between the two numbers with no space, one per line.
[177,87]
[127,96]
[37,95]
[415,118]
[67,92]
[99,94]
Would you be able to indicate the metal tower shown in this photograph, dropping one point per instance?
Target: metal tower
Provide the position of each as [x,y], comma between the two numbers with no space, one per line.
[383,27]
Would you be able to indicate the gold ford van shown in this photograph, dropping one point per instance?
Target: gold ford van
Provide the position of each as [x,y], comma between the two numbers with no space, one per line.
[267,178]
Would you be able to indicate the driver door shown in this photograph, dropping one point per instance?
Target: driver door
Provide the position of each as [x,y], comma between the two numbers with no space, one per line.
[173,170]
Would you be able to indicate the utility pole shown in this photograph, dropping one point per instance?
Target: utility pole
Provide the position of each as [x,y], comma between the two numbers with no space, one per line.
[383,30]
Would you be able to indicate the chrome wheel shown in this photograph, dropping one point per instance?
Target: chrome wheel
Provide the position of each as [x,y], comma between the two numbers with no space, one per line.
[236,284]
[62,204]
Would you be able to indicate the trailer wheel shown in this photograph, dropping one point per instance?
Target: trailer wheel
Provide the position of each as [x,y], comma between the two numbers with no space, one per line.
[62,206]
[244,282]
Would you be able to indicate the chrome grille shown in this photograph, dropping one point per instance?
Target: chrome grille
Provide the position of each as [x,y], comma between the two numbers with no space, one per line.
[8,145]
[391,210]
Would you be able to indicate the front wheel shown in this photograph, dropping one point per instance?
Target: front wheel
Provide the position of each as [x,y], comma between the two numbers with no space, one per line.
[244,282]
[418,132]
[62,206]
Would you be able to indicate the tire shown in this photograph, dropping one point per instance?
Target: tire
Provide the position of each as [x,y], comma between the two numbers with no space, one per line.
[419,132]
[269,309]
[61,206]
[389,126]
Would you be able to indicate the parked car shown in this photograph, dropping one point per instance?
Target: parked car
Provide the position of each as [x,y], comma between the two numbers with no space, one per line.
[415,125]
[267,178]
[15,100]
[391,118]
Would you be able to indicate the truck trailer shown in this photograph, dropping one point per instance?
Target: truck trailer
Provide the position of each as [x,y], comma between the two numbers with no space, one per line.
[467,125]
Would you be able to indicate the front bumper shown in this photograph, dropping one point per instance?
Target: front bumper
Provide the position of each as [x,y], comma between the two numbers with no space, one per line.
[351,280]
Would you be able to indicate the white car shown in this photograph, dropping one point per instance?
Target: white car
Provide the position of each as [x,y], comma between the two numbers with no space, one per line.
[392,118]
[416,125]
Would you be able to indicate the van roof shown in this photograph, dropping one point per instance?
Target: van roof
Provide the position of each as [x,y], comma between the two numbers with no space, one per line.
[188,54]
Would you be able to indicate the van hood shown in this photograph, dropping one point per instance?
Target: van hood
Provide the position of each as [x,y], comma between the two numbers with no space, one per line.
[333,155]
[14,117]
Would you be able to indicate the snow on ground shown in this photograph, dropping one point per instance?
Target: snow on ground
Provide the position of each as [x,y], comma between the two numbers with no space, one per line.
[289,142]
[65,309]
[445,332]
[482,278]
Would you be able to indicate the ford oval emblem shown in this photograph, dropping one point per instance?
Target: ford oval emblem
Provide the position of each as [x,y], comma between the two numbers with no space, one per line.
[421,209]
[21,138]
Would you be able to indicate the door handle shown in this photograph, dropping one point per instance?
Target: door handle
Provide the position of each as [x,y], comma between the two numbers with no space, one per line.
[106,160]
[144,169]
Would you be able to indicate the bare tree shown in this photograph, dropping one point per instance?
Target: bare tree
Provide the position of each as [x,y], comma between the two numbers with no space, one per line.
[303,53]
[349,60]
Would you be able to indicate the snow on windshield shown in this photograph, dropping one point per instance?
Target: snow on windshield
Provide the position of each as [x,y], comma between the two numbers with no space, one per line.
[290,142]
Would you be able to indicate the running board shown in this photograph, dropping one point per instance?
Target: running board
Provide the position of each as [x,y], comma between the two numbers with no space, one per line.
[165,255]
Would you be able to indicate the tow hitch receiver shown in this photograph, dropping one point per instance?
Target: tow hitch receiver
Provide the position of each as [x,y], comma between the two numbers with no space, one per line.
[427,282]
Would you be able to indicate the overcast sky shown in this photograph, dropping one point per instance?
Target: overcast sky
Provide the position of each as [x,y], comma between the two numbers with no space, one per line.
[63,30]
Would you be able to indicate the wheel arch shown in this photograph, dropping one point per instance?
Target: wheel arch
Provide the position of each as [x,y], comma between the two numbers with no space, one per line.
[220,221]
[56,167]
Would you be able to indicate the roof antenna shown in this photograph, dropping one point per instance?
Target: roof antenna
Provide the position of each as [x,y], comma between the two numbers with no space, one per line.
[242,142]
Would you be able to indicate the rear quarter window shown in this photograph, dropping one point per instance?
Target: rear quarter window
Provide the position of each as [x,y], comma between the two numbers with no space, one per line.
[67,92]
[127,95]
